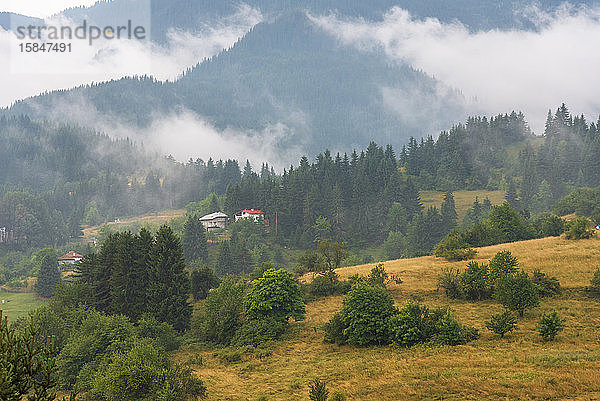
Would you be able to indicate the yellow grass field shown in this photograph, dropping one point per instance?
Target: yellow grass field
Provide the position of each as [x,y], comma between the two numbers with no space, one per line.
[519,367]
[463,200]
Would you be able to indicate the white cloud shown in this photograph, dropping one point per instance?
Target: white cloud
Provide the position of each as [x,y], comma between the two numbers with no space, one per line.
[504,70]
[23,75]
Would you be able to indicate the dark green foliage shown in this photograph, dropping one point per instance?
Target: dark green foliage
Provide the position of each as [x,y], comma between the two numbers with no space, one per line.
[258,331]
[194,239]
[450,281]
[378,276]
[202,280]
[416,324]
[550,325]
[335,330]
[595,283]
[583,202]
[546,286]
[396,246]
[49,276]
[27,363]
[224,264]
[169,282]
[580,228]
[322,286]
[338,396]
[549,225]
[454,248]
[517,292]
[475,282]
[330,256]
[161,333]
[448,212]
[502,323]
[503,263]
[318,391]
[275,295]
[413,324]
[145,373]
[366,311]
[222,314]
[510,224]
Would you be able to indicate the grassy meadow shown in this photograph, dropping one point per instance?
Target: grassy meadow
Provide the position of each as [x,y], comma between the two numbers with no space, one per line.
[463,199]
[18,304]
[519,367]
[135,223]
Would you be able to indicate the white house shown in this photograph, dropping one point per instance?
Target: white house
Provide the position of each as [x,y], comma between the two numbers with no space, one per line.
[71,258]
[256,215]
[214,221]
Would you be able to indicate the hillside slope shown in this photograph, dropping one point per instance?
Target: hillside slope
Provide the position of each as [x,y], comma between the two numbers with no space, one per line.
[519,366]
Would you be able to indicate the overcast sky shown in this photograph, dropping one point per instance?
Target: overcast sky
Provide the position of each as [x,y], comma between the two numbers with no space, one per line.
[41,8]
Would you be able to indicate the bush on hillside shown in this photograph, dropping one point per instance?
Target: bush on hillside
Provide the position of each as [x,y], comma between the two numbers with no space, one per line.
[550,325]
[475,282]
[454,248]
[366,311]
[580,228]
[503,263]
[595,283]
[502,323]
[517,293]
[449,280]
[546,286]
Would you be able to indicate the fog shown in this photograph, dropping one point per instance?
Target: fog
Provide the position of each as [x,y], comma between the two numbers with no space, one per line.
[497,71]
[24,75]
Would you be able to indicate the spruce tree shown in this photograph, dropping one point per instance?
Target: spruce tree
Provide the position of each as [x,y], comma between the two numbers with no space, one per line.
[194,240]
[448,211]
[49,276]
[224,264]
[169,282]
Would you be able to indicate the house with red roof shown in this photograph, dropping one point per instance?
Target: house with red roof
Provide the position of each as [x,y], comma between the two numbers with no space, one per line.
[256,215]
[71,258]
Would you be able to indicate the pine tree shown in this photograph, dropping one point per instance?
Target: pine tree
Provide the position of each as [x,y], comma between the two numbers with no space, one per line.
[169,282]
[448,210]
[511,195]
[224,264]
[49,276]
[195,245]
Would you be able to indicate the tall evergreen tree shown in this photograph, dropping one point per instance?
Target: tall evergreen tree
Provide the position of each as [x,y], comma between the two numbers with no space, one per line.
[448,211]
[49,275]
[169,282]
[224,264]
[194,241]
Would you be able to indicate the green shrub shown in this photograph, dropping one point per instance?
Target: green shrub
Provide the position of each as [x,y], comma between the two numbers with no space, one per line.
[202,280]
[502,323]
[318,391]
[259,331]
[144,373]
[579,228]
[275,295]
[595,283]
[161,332]
[222,313]
[550,325]
[338,396]
[475,282]
[550,225]
[449,280]
[334,330]
[322,286]
[366,311]
[378,276]
[546,286]
[517,292]
[416,324]
[454,248]
[503,263]
[413,324]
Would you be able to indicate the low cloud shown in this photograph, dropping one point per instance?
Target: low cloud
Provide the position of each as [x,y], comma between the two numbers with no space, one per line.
[498,71]
[23,75]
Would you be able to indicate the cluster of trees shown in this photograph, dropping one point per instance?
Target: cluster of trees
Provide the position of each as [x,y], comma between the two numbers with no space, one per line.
[136,274]
[501,280]
[369,317]
[353,193]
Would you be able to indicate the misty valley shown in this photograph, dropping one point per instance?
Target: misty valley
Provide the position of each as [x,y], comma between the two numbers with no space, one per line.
[325,200]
